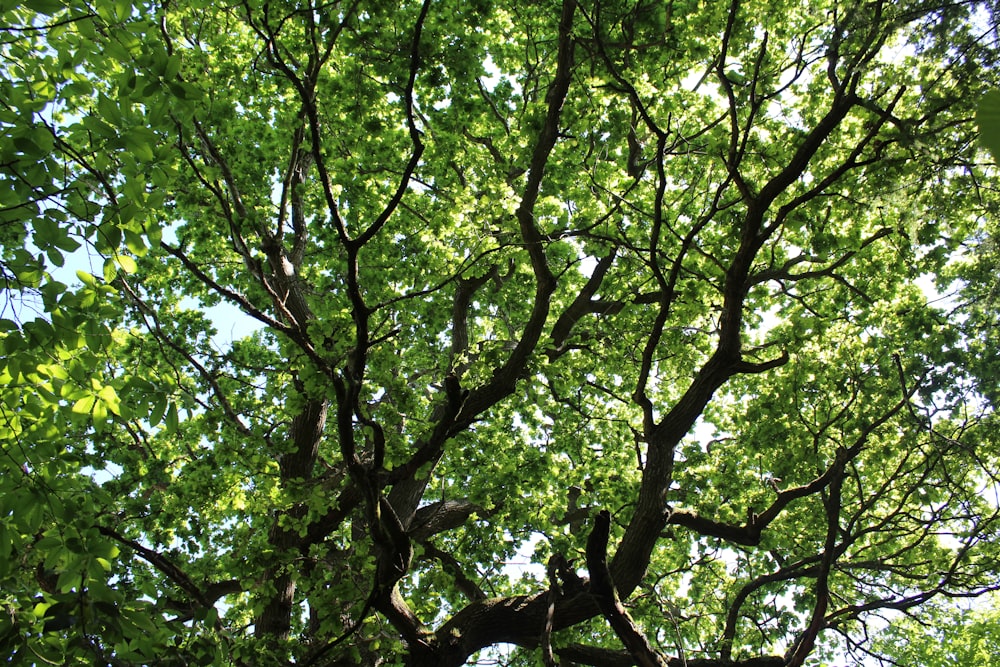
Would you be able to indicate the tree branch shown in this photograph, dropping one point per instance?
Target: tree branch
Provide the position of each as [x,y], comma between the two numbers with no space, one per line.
[603,589]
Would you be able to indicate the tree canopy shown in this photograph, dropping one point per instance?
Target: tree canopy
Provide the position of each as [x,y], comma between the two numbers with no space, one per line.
[944,635]
[560,332]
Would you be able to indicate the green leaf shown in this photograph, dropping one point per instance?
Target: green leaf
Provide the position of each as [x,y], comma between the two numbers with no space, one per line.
[126,263]
[110,270]
[49,7]
[84,406]
[109,110]
[159,407]
[135,243]
[86,278]
[110,398]
[69,580]
[139,619]
[172,419]
[988,119]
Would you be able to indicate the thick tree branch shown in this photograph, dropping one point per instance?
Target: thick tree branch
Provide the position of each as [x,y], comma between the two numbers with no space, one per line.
[602,587]
[807,639]
[442,516]
[582,305]
[448,562]
[205,596]
[603,657]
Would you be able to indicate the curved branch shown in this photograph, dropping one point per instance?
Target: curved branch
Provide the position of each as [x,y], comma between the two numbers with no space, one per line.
[807,640]
[233,297]
[603,589]
[205,596]
[415,135]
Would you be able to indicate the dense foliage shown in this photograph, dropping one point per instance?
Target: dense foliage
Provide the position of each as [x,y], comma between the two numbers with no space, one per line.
[605,333]
[944,635]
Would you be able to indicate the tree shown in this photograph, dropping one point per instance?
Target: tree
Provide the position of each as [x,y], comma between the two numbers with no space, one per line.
[378,302]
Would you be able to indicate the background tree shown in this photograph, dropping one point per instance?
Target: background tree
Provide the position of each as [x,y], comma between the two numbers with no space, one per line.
[375,300]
